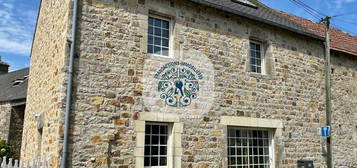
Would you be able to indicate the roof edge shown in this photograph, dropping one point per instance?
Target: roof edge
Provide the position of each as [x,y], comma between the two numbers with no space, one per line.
[311,35]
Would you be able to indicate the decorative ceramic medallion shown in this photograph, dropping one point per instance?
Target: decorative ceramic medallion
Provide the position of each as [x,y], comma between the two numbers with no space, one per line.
[178,83]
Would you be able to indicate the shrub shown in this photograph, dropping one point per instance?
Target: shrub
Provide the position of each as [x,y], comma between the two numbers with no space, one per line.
[5,149]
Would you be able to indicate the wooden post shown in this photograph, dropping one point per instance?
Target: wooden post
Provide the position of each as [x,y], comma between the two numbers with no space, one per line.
[328,92]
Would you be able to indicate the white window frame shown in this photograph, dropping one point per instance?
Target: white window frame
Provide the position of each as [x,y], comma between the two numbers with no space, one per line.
[262,56]
[171,28]
[169,146]
[174,153]
[270,137]
[274,125]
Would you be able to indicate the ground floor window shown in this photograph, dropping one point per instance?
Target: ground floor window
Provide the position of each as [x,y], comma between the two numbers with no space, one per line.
[249,148]
[156,146]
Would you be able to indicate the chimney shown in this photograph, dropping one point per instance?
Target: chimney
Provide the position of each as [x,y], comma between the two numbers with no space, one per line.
[4,67]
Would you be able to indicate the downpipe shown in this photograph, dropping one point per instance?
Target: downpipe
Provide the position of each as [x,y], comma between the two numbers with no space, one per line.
[69,86]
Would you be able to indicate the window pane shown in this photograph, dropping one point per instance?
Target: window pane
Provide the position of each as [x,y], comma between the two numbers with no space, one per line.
[157,50]
[147,139]
[259,70]
[258,55]
[147,129]
[157,32]
[151,21]
[163,150]
[155,140]
[165,42]
[257,47]
[163,140]
[259,62]
[163,161]
[154,150]
[165,51]
[150,49]
[253,68]
[154,161]
[253,61]
[147,150]
[252,46]
[157,22]
[151,30]
[147,161]
[253,54]
[163,129]
[150,40]
[165,24]
[157,41]
[165,33]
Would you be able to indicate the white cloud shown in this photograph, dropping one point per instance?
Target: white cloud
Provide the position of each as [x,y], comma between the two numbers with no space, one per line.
[16,29]
[340,3]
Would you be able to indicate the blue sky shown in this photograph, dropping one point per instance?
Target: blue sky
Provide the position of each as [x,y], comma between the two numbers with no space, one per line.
[17,24]
[18,19]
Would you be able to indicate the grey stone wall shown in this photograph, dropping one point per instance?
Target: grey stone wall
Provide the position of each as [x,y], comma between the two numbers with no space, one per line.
[344,108]
[16,128]
[5,113]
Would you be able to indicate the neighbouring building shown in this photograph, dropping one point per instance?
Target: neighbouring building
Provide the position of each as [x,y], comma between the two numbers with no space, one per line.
[13,87]
[186,83]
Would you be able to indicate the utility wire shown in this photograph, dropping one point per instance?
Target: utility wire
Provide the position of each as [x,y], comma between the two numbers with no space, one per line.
[319,15]
[348,22]
[344,14]
[307,9]
[310,8]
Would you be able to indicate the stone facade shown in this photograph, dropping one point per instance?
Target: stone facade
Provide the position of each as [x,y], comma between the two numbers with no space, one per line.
[344,105]
[109,86]
[47,83]
[16,128]
[5,114]
[11,124]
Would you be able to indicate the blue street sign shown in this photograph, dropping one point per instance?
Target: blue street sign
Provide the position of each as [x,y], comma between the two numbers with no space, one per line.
[325,131]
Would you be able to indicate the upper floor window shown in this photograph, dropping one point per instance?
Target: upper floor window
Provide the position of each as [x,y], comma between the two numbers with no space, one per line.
[158,36]
[249,148]
[256,57]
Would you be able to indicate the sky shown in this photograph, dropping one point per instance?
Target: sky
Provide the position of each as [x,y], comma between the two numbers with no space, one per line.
[18,20]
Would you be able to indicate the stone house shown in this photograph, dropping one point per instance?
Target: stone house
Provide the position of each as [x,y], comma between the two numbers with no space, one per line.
[13,88]
[183,83]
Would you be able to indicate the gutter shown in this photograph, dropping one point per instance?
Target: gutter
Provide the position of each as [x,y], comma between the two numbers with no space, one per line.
[69,86]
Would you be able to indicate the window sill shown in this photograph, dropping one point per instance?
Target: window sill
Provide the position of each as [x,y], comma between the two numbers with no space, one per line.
[159,57]
[260,75]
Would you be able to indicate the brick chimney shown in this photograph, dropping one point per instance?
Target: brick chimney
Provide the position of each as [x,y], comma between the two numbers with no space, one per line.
[4,67]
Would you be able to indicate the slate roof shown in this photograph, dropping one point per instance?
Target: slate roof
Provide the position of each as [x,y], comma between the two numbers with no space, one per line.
[8,91]
[261,13]
[340,40]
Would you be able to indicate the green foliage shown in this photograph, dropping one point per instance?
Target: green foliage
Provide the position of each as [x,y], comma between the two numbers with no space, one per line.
[6,149]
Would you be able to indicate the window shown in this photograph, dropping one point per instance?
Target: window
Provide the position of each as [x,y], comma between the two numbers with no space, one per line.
[249,148]
[156,145]
[159,36]
[256,57]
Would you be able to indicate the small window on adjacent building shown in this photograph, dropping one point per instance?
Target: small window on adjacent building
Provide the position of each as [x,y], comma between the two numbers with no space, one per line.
[158,36]
[249,148]
[156,145]
[256,57]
